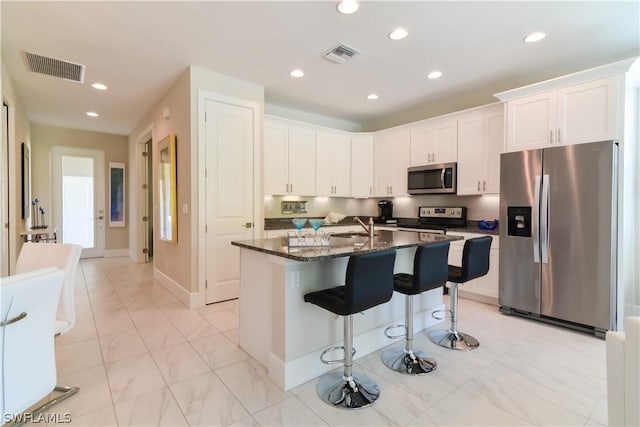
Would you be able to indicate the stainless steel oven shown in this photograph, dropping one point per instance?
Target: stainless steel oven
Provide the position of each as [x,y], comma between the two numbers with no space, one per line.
[432,179]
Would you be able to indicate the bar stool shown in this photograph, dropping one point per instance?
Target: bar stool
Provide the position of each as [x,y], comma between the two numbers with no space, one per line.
[475,263]
[429,272]
[368,282]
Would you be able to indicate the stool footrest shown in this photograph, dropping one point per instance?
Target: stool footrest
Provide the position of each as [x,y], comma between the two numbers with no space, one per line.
[442,314]
[393,337]
[333,361]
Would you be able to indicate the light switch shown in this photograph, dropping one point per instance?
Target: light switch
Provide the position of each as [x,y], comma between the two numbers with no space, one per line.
[185,208]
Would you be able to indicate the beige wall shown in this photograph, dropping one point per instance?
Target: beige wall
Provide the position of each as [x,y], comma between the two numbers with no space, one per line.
[19,132]
[172,259]
[43,138]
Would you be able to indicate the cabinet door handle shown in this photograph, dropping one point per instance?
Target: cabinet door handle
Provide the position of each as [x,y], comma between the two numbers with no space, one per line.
[291,188]
[370,191]
[391,189]
[550,137]
[558,139]
[478,185]
[484,185]
[433,157]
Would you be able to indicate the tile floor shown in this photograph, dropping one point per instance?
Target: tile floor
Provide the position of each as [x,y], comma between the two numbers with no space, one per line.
[142,358]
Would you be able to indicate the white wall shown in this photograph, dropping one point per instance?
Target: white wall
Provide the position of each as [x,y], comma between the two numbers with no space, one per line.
[316,119]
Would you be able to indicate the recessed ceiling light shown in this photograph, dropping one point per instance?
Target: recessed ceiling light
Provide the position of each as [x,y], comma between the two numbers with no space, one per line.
[92,114]
[297,73]
[398,34]
[99,86]
[347,7]
[372,96]
[534,37]
[434,75]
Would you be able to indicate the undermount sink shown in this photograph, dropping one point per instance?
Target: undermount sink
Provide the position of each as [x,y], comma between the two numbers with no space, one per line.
[353,234]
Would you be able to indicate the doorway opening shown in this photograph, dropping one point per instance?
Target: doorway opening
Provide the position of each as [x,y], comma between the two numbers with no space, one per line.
[147,216]
[78,198]
[4,194]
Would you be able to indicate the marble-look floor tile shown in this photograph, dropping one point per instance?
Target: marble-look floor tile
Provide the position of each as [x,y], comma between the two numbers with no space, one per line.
[94,392]
[218,351]
[365,417]
[248,381]
[83,330]
[157,408]
[246,422]
[160,337]
[114,323]
[462,409]
[147,317]
[233,335]
[179,362]
[205,401]
[600,413]
[504,389]
[223,320]
[104,417]
[132,377]
[290,412]
[122,346]
[195,327]
[78,356]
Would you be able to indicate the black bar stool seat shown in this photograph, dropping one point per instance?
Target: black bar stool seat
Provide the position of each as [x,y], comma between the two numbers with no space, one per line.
[429,272]
[368,282]
[475,263]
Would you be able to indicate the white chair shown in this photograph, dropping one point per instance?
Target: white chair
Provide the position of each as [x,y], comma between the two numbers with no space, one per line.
[27,319]
[623,374]
[34,256]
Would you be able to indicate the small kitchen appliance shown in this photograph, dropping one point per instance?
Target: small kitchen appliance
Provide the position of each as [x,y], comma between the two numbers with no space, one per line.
[434,219]
[385,208]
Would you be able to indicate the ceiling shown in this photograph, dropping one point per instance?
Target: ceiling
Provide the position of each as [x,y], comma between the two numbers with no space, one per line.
[140,48]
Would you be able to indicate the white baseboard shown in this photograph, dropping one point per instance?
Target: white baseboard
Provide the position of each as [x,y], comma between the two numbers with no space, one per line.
[295,372]
[136,256]
[115,253]
[190,299]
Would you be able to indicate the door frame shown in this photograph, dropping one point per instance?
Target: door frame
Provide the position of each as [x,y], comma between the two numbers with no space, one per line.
[139,231]
[55,191]
[199,192]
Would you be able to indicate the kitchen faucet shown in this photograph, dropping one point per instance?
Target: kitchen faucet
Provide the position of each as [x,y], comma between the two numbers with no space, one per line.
[368,229]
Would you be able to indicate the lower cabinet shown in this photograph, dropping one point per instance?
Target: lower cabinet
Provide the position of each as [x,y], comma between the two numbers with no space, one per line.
[483,289]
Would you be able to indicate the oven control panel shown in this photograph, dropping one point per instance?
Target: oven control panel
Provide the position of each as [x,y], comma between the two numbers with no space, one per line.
[439,212]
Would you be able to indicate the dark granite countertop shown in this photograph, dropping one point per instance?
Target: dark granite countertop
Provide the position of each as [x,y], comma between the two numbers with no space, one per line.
[342,246]
[285,223]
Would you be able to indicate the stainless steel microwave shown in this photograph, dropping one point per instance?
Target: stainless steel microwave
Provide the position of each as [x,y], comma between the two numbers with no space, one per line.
[432,179]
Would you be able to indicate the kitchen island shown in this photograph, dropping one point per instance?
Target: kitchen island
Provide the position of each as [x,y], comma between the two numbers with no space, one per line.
[287,335]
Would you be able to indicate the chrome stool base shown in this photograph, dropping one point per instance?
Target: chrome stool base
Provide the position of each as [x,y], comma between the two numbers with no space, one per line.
[357,391]
[453,340]
[414,362]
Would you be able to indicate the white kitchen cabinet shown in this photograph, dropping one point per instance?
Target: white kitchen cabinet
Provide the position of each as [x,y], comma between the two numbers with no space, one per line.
[485,288]
[362,165]
[434,141]
[574,114]
[391,151]
[289,158]
[480,142]
[333,164]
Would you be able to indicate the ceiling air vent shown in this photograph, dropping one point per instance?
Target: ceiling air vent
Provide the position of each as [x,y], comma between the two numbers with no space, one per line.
[55,67]
[341,53]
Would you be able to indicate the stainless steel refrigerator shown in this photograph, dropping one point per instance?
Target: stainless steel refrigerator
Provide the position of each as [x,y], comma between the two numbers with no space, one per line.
[558,235]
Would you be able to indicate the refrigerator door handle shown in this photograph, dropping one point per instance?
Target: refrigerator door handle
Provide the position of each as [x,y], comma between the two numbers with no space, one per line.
[544,220]
[535,221]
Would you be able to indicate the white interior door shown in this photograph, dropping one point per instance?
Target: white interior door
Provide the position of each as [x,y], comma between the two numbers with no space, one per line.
[229,194]
[78,198]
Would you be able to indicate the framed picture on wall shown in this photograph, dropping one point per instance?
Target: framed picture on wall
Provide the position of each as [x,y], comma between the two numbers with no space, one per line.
[116,194]
[167,202]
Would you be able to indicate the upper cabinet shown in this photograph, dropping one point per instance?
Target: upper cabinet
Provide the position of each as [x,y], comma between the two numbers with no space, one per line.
[434,141]
[391,151]
[333,164]
[289,158]
[480,142]
[574,114]
[362,165]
